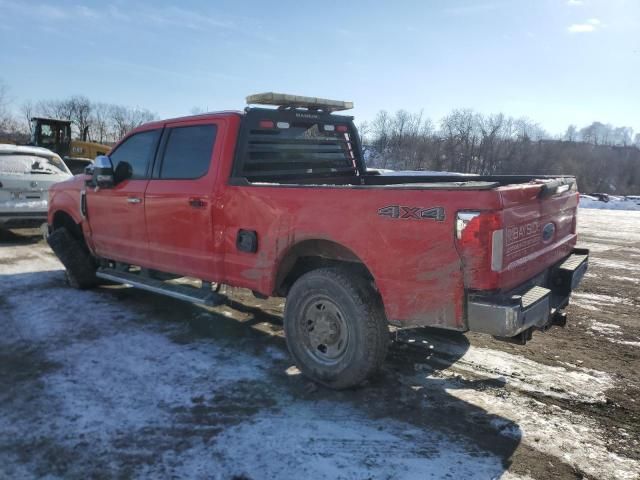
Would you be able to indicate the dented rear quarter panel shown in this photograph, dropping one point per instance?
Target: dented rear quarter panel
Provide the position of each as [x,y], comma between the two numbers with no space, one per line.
[414,261]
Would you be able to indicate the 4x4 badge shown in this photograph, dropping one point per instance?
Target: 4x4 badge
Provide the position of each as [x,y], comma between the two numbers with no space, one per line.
[418,213]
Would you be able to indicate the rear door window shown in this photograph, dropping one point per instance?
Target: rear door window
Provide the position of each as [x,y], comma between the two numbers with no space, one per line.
[188,150]
[137,150]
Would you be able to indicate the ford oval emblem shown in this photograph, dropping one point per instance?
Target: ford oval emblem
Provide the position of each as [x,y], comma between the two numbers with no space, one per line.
[547,232]
[34,184]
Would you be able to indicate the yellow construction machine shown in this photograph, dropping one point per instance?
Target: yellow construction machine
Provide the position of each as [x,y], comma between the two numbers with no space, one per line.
[56,135]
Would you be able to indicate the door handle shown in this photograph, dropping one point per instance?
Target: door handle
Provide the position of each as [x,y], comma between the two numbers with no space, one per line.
[134,200]
[197,203]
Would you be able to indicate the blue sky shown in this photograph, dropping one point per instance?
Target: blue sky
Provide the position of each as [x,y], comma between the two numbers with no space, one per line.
[554,61]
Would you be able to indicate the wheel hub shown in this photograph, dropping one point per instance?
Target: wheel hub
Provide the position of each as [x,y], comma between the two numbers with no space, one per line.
[325,331]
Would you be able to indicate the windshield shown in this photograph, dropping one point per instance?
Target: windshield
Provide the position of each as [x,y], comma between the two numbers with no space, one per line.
[17,164]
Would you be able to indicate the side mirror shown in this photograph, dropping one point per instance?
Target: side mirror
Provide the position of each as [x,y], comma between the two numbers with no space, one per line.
[103,175]
[124,171]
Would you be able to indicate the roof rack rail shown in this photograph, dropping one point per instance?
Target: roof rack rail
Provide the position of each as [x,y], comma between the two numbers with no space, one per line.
[286,101]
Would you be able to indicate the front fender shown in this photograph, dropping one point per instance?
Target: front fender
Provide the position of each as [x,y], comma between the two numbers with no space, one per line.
[68,202]
[64,201]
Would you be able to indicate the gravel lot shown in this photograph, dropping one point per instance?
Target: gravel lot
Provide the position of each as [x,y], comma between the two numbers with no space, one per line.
[119,383]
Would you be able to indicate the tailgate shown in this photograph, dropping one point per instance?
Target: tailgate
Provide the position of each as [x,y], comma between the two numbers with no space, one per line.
[539,229]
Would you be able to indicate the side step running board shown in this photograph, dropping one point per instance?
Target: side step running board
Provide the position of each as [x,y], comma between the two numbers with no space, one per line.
[181,292]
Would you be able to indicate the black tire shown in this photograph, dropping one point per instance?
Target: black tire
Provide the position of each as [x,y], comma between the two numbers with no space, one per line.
[321,306]
[79,263]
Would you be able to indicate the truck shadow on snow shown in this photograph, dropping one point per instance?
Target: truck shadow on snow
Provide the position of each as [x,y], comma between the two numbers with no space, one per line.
[409,389]
[410,394]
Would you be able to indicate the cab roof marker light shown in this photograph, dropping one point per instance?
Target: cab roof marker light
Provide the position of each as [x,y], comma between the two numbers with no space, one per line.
[298,101]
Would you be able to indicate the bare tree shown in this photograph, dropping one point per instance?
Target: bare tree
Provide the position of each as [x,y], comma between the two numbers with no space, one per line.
[27,109]
[7,122]
[571,135]
[100,127]
[80,108]
[125,119]
[492,144]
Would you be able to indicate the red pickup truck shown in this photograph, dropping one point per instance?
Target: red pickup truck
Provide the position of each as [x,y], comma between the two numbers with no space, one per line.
[279,201]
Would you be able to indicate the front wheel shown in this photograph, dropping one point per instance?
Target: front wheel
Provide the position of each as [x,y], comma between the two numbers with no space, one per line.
[335,327]
[79,264]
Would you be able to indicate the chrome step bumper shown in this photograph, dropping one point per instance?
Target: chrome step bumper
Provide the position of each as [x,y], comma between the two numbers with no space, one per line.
[509,315]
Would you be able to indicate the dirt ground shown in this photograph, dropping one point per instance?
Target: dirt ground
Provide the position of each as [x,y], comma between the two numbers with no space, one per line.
[119,383]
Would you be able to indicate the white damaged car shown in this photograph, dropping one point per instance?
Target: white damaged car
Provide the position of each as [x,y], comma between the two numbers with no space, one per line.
[26,173]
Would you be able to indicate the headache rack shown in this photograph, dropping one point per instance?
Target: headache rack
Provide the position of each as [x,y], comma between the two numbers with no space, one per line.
[295,142]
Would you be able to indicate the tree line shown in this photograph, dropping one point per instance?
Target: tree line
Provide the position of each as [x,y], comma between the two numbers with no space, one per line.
[603,157]
[92,121]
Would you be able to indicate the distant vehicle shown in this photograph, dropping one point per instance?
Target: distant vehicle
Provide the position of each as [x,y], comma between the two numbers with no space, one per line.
[26,173]
[56,136]
[77,165]
[279,201]
[588,197]
[603,197]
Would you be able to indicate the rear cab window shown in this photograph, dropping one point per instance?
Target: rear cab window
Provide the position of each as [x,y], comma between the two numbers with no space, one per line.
[292,143]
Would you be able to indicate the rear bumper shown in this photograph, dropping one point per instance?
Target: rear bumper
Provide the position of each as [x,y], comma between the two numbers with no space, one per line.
[531,305]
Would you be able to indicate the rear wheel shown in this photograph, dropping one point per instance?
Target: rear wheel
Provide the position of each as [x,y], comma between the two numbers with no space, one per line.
[80,265]
[335,327]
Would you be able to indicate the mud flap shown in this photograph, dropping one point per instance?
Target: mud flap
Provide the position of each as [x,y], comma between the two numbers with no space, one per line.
[80,265]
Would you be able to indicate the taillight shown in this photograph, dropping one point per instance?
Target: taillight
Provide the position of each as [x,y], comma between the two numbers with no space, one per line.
[480,240]
[462,222]
[266,124]
[474,227]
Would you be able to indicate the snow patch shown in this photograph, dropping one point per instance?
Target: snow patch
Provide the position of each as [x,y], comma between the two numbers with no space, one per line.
[613,204]
[606,328]
[583,299]
[615,264]
[625,279]
[612,333]
[548,428]
[528,375]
